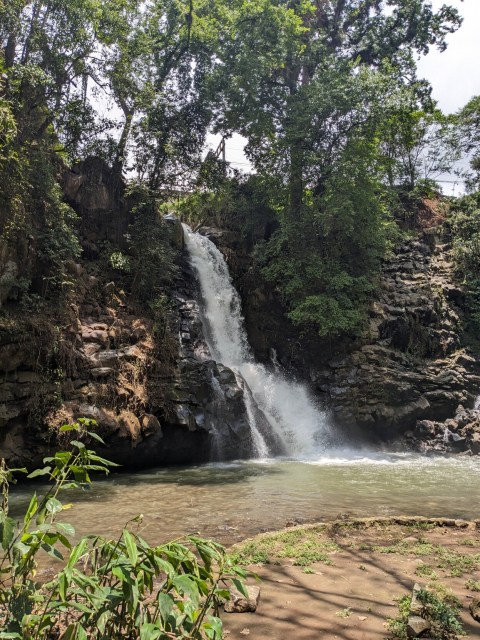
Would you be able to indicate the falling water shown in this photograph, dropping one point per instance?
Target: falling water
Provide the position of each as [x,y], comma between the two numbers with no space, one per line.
[295,419]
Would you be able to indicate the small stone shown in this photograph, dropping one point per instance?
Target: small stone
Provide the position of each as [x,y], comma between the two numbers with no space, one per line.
[362,618]
[239,604]
[416,607]
[101,372]
[245,632]
[417,626]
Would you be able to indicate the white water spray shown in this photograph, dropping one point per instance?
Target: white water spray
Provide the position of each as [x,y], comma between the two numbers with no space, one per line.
[293,416]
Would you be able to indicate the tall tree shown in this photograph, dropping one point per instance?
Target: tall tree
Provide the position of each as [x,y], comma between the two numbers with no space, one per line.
[277,50]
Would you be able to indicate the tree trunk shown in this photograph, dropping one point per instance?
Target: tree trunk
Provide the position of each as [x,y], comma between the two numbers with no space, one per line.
[296,177]
[122,144]
[10,52]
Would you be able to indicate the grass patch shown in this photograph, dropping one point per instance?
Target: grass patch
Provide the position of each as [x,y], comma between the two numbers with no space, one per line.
[473,585]
[424,570]
[251,553]
[446,559]
[308,570]
[468,542]
[344,614]
[303,546]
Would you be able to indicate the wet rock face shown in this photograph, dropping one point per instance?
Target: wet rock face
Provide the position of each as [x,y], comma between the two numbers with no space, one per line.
[460,434]
[410,363]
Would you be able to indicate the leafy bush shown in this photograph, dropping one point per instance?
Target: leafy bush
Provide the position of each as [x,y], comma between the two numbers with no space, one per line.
[154,258]
[108,588]
[120,261]
[443,617]
[465,223]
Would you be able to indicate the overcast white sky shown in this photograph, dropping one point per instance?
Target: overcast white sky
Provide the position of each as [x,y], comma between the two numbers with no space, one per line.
[454,74]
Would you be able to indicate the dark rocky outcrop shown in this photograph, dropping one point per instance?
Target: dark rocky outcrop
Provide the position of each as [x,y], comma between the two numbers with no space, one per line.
[147,379]
[460,434]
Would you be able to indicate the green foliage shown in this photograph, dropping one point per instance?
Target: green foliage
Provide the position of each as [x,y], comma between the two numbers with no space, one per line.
[250,553]
[324,261]
[120,261]
[443,617]
[153,260]
[465,225]
[130,590]
[473,585]
[241,202]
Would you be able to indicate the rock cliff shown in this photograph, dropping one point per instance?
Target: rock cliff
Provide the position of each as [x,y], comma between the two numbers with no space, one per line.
[144,373]
[97,353]
[411,363]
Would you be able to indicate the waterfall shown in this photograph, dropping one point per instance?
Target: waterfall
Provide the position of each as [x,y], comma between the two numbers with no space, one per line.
[293,416]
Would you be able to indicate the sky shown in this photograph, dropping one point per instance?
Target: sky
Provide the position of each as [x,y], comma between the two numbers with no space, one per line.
[453,74]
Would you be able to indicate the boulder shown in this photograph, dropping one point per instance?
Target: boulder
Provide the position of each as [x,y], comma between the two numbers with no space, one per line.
[475,609]
[417,627]
[239,604]
[424,428]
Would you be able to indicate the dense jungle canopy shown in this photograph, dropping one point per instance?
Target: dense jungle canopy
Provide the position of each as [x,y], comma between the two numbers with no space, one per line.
[344,138]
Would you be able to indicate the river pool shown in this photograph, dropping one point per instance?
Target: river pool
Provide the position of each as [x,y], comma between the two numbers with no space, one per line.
[234,500]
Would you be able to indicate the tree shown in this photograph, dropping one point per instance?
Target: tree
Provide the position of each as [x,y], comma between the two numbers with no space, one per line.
[468,121]
[276,51]
[309,85]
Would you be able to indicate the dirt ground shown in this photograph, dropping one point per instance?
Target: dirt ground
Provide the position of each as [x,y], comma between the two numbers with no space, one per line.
[354,580]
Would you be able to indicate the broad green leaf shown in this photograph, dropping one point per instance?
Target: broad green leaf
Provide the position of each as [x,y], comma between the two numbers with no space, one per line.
[188,587]
[132,550]
[54,506]
[77,553]
[96,436]
[80,607]
[240,586]
[65,528]
[165,605]
[216,626]
[39,472]
[67,427]
[149,631]
[70,633]
[164,565]
[81,633]
[22,548]
[123,574]
[70,485]
[32,507]
[223,593]
[93,456]
[55,553]
[6,634]
[78,444]
[62,585]
[7,529]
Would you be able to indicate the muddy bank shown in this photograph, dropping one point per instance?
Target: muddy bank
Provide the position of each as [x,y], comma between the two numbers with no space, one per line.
[343,580]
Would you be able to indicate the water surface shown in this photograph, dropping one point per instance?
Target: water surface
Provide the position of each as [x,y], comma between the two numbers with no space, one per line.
[232,501]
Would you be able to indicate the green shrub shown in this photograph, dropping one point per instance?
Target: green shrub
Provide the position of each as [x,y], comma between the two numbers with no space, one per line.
[442,616]
[130,590]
